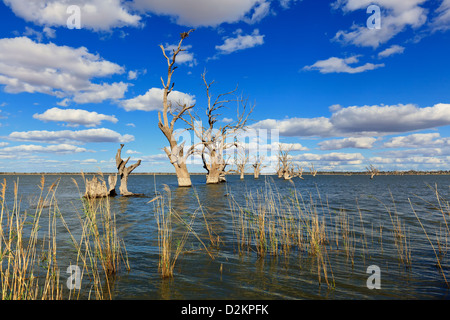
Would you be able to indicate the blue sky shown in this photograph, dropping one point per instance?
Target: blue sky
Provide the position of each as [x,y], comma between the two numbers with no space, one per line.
[344,94]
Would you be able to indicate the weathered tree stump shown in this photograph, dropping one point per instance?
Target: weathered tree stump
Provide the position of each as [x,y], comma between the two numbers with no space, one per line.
[257,167]
[124,172]
[95,188]
[112,180]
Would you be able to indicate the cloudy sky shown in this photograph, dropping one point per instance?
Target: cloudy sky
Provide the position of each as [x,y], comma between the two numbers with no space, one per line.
[322,74]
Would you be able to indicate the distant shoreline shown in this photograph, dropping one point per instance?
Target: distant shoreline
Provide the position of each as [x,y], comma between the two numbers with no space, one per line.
[342,173]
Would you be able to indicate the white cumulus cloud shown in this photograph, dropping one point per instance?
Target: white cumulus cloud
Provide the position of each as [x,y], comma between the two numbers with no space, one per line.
[375,120]
[61,71]
[98,15]
[198,13]
[153,100]
[68,136]
[394,49]
[352,142]
[338,65]
[241,42]
[396,16]
[74,117]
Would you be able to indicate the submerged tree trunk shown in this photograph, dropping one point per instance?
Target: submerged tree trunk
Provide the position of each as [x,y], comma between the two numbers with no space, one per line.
[95,188]
[287,175]
[257,167]
[213,175]
[175,152]
[280,173]
[124,172]
[112,181]
[215,167]
[183,176]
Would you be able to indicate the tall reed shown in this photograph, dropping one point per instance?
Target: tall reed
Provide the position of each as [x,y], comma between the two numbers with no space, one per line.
[270,223]
[27,273]
[164,214]
[100,250]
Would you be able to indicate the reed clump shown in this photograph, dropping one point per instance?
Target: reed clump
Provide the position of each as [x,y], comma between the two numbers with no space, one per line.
[99,248]
[30,259]
[439,247]
[272,224]
[170,243]
[27,272]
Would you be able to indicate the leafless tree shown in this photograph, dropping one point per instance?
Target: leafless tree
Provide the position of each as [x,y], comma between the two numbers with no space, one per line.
[313,170]
[215,141]
[298,171]
[284,167]
[124,171]
[292,170]
[258,166]
[96,188]
[175,152]
[241,162]
[372,171]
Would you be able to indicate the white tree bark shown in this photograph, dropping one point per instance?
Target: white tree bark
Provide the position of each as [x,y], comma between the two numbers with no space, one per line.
[96,188]
[124,172]
[174,152]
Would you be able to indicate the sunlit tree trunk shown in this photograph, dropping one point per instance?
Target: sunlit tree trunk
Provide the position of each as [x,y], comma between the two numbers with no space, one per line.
[124,172]
[175,152]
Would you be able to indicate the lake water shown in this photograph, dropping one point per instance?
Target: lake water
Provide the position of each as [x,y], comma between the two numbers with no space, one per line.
[247,276]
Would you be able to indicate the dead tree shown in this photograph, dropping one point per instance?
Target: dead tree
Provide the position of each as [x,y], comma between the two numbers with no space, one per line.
[279,168]
[216,141]
[284,168]
[372,171]
[241,162]
[112,181]
[96,188]
[298,171]
[124,172]
[313,170]
[175,152]
[258,166]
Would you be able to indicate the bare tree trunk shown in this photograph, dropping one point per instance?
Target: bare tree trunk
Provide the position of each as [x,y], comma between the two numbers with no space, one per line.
[215,167]
[222,176]
[257,167]
[183,176]
[95,188]
[175,153]
[124,172]
[280,173]
[372,171]
[214,172]
[112,181]
[213,177]
[241,163]
[287,175]
[313,170]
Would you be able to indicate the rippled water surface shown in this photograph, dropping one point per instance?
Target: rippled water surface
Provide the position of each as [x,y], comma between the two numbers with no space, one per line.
[294,276]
